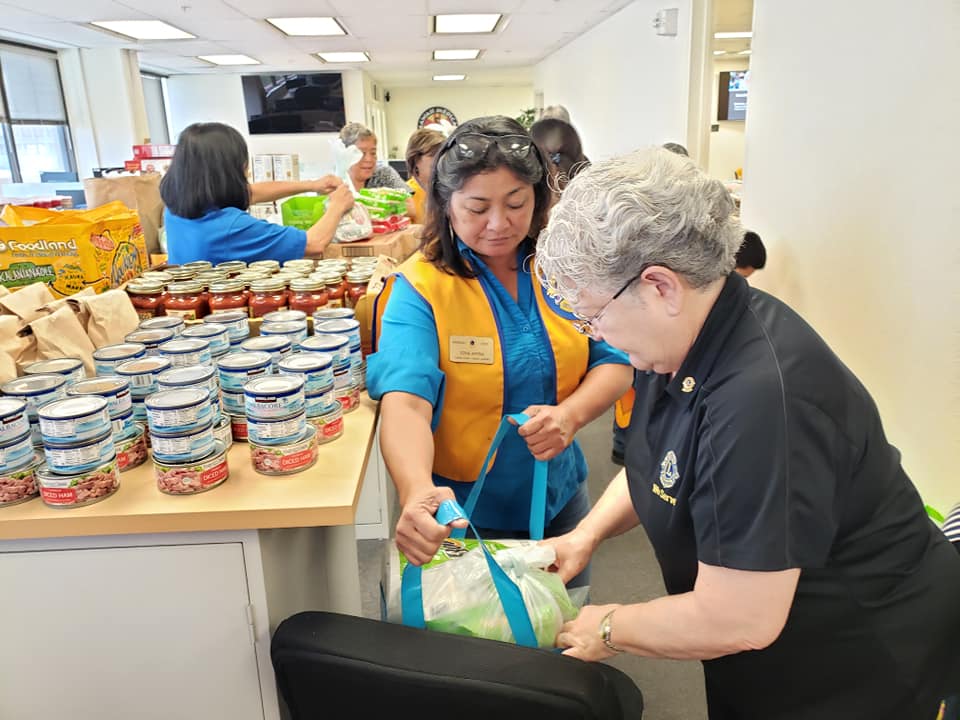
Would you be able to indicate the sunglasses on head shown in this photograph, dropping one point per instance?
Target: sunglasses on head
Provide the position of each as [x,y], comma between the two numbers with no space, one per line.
[475,146]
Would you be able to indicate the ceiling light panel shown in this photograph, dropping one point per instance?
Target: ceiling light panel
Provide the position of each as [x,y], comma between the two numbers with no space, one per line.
[144,29]
[308,26]
[344,57]
[229,59]
[465,23]
[449,78]
[456,54]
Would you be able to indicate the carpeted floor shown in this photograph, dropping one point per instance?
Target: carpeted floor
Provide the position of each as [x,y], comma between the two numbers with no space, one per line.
[624,570]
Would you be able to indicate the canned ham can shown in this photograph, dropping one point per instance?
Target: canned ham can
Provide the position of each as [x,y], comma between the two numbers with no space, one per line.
[78,489]
[193,477]
[131,451]
[329,425]
[285,459]
[20,484]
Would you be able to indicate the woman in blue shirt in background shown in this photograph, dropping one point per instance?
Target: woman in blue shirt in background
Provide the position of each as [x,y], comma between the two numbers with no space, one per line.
[206,194]
[469,335]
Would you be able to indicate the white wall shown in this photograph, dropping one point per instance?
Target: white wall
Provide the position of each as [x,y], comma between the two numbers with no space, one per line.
[850,178]
[727,144]
[463,100]
[625,86]
[219,98]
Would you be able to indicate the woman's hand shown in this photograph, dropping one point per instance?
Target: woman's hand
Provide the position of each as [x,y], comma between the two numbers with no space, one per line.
[340,201]
[549,430]
[325,185]
[581,636]
[419,535]
[573,550]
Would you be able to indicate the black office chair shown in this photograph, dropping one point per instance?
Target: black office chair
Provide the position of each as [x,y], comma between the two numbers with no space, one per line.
[51,177]
[330,665]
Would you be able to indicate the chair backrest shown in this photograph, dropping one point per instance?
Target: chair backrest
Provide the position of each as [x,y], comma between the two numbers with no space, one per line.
[50,176]
[330,665]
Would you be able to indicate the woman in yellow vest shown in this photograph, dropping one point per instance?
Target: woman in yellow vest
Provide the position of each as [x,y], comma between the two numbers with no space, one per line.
[468,335]
[421,150]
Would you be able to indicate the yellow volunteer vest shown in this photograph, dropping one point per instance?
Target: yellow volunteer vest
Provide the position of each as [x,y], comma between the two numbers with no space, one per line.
[471,357]
[419,202]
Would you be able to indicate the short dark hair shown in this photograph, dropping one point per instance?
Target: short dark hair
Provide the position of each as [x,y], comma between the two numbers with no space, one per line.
[676,148]
[208,171]
[752,253]
[561,148]
[439,246]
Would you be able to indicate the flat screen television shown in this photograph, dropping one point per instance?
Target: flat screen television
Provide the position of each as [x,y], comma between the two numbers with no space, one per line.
[294,103]
[732,98]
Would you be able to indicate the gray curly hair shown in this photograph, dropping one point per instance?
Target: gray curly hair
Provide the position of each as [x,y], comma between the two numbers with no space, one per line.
[354,131]
[650,207]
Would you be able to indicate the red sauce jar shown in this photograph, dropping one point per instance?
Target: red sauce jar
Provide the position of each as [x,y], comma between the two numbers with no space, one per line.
[146,298]
[186,299]
[267,295]
[228,295]
[307,295]
[336,290]
[357,281]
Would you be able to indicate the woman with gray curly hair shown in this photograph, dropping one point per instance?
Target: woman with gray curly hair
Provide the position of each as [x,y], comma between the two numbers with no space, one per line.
[798,559]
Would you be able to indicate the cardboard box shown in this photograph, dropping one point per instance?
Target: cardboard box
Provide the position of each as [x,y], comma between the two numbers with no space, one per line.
[141,152]
[262,168]
[286,168]
[70,250]
[398,245]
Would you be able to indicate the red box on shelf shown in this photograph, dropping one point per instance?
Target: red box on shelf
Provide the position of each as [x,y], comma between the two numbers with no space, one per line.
[142,152]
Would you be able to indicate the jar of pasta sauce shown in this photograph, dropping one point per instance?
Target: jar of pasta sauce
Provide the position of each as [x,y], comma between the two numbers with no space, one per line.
[357,281]
[335,290]
[186,299]
[267,296]
[307,295]
[228,295]
[146,298]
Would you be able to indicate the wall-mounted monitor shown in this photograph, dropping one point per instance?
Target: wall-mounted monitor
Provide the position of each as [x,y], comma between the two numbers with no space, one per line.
[294,103]
[732,96]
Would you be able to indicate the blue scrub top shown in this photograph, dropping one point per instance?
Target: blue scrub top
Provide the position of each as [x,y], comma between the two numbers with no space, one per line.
[230,234]
[408,360]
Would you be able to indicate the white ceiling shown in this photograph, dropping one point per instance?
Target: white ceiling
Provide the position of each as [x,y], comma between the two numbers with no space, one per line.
[395,33]
[732,16]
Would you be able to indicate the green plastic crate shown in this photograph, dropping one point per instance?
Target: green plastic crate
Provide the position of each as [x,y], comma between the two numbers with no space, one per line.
[302,211]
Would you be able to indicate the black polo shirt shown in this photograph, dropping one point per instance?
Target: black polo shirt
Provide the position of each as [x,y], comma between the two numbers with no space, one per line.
[765,453]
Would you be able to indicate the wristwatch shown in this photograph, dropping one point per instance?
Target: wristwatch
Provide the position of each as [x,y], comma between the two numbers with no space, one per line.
[606,629]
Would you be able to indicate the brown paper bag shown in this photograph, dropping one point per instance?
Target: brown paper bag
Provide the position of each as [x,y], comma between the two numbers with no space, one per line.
[109,317]
[137,192]
[60,334]
[21,349]
[52,307]
[27,303]
[8,368]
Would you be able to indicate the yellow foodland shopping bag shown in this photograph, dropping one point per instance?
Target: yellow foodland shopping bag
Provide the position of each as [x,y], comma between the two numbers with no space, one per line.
[70,250]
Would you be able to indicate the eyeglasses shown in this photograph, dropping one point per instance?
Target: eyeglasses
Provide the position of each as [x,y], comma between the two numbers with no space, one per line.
[585,326]
[475,146]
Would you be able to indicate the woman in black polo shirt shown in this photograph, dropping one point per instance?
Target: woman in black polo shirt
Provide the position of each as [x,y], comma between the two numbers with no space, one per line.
[799,561]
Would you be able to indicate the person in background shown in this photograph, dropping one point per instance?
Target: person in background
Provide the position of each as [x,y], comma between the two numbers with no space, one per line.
[556,111]
[421,150]
[752,255]
[468,336]
[207,195]
[560,145]
[367,172]
[797,555]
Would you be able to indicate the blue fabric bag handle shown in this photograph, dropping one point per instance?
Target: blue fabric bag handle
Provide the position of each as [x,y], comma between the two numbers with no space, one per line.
[411,587]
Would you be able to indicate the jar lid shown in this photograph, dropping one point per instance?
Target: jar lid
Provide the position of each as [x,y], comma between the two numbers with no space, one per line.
[333,278]
[359,276]
[267,284]
[157,276]
[231,265]
[181,273]
[198,265]
[144,287]
[271,265]
[211,276]
[306,284]
[187,287]
[226,286]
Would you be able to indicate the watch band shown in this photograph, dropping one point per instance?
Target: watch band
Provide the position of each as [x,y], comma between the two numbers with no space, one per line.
[606,630]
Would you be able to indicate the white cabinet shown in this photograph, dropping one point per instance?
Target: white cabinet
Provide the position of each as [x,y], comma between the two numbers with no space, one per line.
[151,633]
[374,508]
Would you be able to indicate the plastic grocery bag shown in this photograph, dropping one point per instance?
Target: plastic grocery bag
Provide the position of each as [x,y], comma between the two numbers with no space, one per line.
[355,224]
[460,597]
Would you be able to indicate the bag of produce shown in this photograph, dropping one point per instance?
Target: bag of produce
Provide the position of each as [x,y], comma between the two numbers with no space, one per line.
[354,225]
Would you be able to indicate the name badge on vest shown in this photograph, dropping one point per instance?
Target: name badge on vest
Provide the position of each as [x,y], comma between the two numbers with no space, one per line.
[470,349]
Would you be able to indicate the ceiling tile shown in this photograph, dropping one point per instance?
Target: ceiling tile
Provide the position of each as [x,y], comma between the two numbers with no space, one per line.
[379,8]
[283,8]
[183,11]
[75,11]
[437,7]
